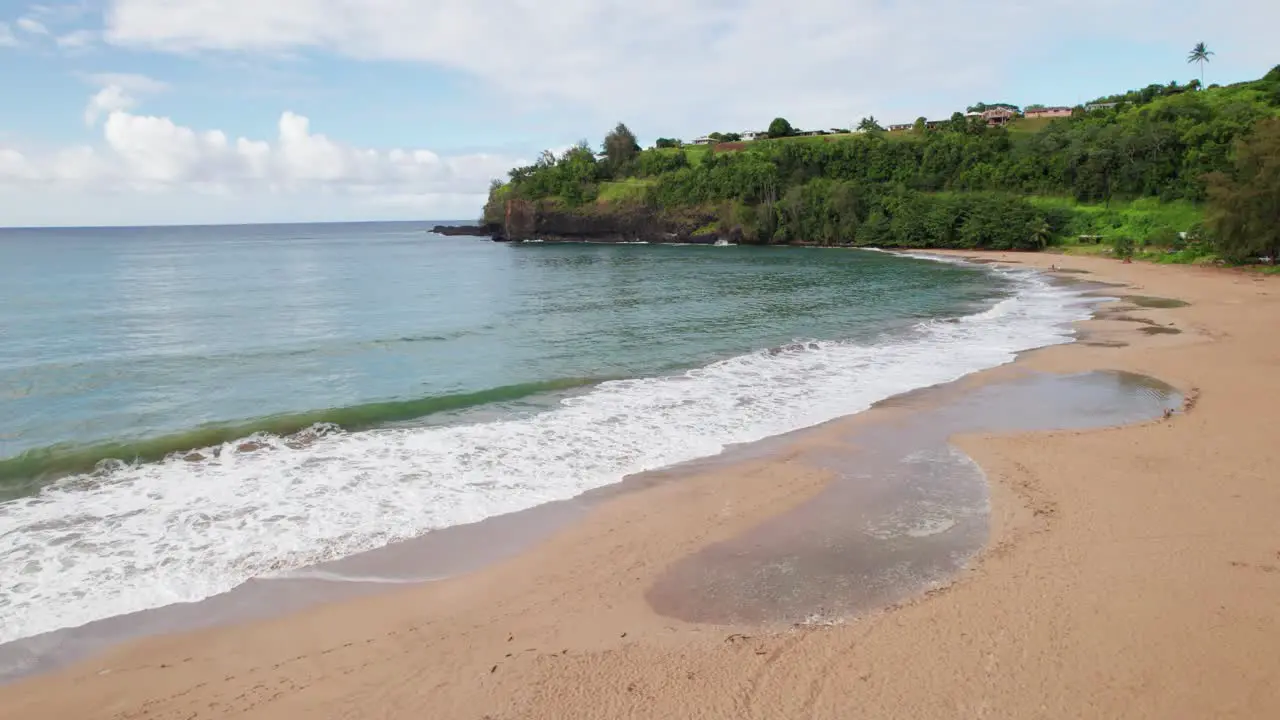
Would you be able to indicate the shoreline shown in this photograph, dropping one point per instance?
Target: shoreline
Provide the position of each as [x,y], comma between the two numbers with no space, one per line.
[570,595]
[1036,311]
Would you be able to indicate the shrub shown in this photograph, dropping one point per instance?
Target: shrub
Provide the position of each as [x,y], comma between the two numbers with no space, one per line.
[1122,246]
[1163,237]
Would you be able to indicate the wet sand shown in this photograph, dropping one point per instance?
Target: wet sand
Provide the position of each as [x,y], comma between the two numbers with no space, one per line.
[904,511]
[1126,572]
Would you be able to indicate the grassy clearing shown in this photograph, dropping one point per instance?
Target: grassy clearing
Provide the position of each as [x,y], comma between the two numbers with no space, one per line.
[818,138]
[629,190]
[1029,126]
[1152,225]
[901,136]
[1085,250]
[695,153]
[1137,219]
[1199,255]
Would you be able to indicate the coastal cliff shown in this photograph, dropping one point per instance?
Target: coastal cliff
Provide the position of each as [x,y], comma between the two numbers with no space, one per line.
[534,220]
[486,230]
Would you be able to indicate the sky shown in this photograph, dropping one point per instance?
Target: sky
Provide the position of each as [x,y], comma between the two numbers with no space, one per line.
[123,112]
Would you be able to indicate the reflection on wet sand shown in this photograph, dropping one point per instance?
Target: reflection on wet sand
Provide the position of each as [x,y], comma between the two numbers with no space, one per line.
[905,512]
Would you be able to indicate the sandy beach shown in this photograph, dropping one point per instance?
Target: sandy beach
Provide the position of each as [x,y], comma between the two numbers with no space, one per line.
[1130,571]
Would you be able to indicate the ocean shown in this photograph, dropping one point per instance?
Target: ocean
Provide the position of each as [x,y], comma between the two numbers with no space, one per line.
[182,409]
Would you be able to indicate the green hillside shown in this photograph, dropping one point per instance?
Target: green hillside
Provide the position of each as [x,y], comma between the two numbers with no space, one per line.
[1141,170]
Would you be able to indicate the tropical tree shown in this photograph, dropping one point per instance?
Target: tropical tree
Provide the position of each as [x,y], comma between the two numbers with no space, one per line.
[1040,234]
[1244,210]
[869,124]
[620,148]
[494,208]
[983,107]
[780,128]
[1199,55]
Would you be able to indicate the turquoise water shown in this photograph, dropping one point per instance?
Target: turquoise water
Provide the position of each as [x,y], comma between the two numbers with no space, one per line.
[133,335]
[349,385]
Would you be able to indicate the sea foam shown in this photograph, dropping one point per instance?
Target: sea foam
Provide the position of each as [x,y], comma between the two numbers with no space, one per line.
[142,536]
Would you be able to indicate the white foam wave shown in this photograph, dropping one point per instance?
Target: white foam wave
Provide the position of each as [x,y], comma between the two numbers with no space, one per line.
[178,531]
[327,576]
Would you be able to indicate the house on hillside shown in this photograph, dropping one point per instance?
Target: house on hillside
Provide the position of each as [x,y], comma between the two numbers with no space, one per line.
[702,140]
[750,135]
[1099,106]
[998,116]
[1048,112]
[900,127]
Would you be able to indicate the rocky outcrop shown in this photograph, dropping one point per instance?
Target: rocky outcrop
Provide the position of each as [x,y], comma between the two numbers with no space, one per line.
[467,230]
[526,220]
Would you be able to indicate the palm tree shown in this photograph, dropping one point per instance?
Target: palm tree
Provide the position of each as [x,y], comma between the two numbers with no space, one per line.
[1200,54]
[1040,234]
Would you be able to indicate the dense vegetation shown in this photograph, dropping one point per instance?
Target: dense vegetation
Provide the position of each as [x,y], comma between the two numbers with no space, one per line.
[1245,201]
[961,184]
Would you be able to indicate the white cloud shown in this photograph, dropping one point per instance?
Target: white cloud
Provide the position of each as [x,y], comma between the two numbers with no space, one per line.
[62,12]
[32,26]
[76,39]
[145,155]
[13,164]
[119,92]
[208,176]
[46,23]
[664,66]
[150,151]
[60,24]
[821,61]
[130,82]
[107,100]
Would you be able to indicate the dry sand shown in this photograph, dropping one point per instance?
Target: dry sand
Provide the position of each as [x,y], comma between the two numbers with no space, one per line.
[1131,572]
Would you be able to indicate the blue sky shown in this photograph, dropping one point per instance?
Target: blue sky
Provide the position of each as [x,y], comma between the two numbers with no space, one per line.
[193,111]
